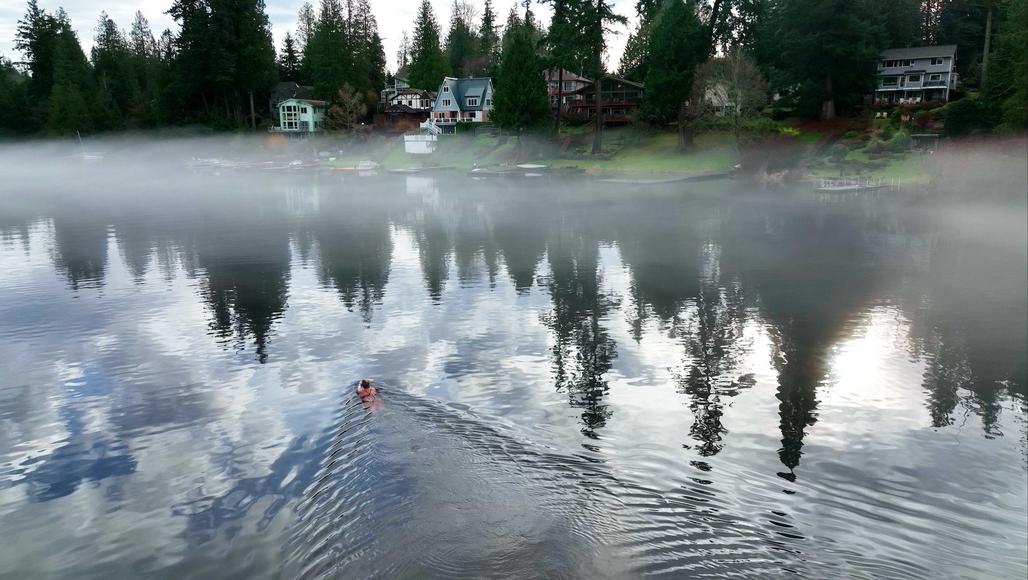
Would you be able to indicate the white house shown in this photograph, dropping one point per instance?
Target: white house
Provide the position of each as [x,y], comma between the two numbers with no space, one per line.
[915,75]
[467,100]
[300,116]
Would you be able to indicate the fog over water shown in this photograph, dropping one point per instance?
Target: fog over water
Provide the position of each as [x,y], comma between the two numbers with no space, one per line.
[579,379]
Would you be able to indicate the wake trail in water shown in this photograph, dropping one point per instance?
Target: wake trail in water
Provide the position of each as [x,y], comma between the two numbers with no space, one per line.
[426,489]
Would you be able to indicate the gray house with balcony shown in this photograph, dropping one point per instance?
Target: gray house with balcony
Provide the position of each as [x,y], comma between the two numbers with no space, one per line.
[916,75]
[467,100]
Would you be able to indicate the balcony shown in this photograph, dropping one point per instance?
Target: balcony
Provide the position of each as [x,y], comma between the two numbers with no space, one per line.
[939,83]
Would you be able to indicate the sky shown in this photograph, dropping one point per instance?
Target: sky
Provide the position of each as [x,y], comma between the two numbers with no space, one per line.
[394,17]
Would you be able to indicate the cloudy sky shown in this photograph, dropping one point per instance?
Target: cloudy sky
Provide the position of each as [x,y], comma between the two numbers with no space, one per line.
[394,16]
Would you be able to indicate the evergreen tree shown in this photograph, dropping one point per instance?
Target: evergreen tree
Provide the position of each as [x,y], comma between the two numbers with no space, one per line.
[327,52]
[428,63]
[37,39]
[633,59]
[13,99]
[368,73]
[678,44]
[116,79]
[522,103]
[73,106]
[828,49]
[596,16]
[488,41]
[462,42]
[289,60]
[962,22]
[148,74]
[1008,83]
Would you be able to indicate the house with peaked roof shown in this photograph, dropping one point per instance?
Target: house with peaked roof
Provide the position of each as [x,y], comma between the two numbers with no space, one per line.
[300,116]
[916,75]
[572,84]
[405,110]
[621,97]
[287,90]
[465,100]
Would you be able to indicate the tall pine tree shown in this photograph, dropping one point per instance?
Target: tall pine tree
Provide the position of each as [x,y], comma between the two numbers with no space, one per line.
[428,63]
[678,44]
[289,60]
[522,102]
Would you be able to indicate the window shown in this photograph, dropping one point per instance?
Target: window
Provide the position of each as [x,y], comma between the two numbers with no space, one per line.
[472,101]
[908,63]
[937,60]
[913,78]
[446,102]
[303,110]
[936,77]
[488,102]
[446,89]
[569,85]
[889,82]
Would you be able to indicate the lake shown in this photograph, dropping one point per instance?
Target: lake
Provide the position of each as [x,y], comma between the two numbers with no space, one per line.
[577,379]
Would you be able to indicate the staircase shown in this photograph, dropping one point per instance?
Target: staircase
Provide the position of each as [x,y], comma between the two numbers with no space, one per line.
[431,127]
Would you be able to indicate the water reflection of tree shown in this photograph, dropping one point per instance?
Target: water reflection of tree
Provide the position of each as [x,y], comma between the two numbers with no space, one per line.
[521,238]
[583,351]
[355,247]
[713,339]
[80,249]
[247,275]
[434,249]
[809,263]
[971,322]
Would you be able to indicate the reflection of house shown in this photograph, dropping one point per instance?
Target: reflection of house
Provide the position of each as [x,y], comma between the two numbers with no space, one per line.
[300,116]
[915,75]
[405,110]
[467,100]
[621,97]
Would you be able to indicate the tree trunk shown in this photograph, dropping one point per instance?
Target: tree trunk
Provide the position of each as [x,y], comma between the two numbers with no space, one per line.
[560,100]
[715,15]
[685,128]
[828,105]
[253,114]
[598,130]
[985,53]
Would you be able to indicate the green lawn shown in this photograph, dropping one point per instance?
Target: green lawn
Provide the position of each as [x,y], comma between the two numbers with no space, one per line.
[626,151]
[657,153]
[908,168]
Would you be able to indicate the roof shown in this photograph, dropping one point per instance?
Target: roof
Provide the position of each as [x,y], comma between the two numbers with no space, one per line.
[919,52]
[553,74]
[420,92]
[290,90]
[623,80]
[312,102]
[397,108]
[468,87]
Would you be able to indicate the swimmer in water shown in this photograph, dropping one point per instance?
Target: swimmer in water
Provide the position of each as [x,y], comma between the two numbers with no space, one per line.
[365,391]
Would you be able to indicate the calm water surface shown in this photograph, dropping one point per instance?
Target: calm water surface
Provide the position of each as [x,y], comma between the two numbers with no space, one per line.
[578,381]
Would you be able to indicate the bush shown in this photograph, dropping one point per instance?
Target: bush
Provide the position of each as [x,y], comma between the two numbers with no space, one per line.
[875,147]
[964,116]
[851,134]
[899,142]
[838,152]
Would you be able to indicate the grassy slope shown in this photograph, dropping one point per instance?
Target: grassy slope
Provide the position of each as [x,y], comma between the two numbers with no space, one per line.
[626,151]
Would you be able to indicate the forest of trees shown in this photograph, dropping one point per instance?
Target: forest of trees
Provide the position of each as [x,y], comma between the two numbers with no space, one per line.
[218,67]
